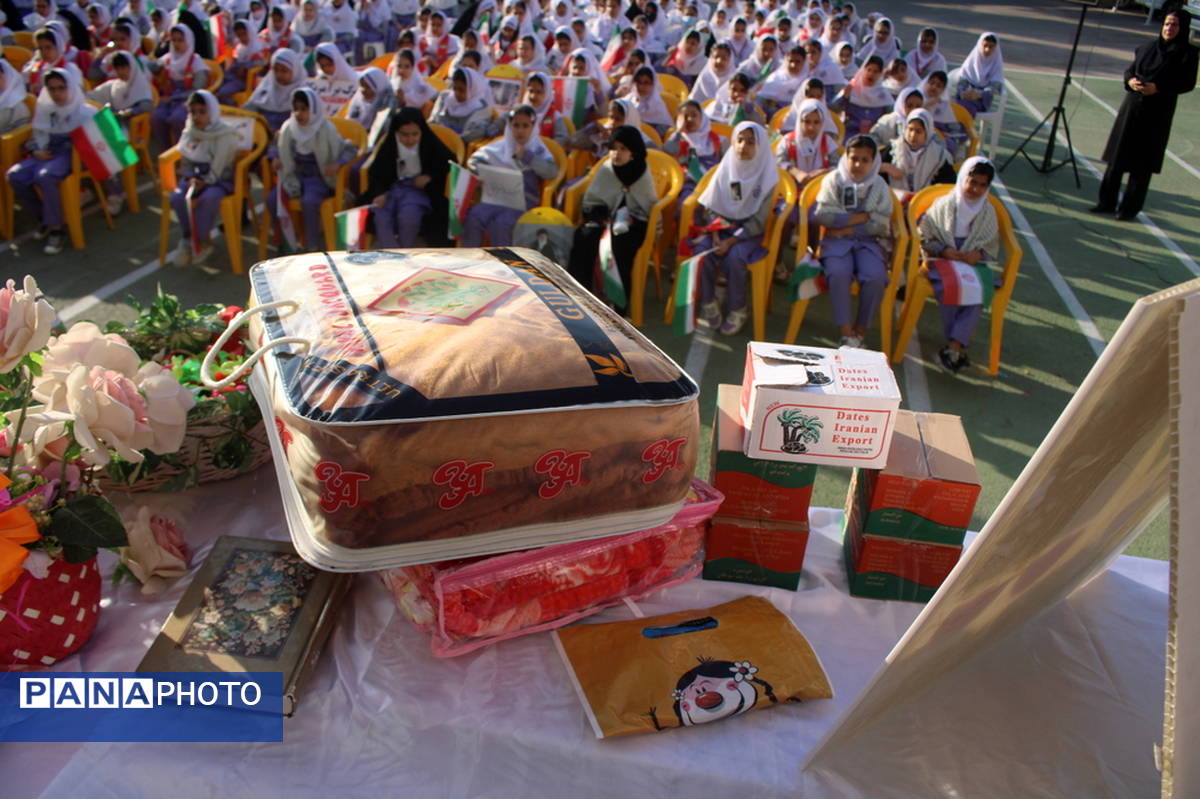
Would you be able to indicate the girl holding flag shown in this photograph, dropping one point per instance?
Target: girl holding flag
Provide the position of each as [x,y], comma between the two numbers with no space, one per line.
[782,85]
[618,50]
[565,43]
[207,148]
[180,72]
[249,52]
[310,152]
[617,202]
[128,94]
[695,145]
[273,96]
[763,61]
[278,33]
[730,223]
[854,205]
[36,180]
[960,230]
[520,148]
[406,183]
[549,119]
[733,104]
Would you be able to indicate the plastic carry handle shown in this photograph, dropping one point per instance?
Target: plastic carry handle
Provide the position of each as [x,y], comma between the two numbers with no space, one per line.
[235,323]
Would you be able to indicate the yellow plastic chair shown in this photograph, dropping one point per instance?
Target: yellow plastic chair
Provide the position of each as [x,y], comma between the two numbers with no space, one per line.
[17,55]
[672,103]
[443,72]
[668,182]
[231,206]
[216,74]
[356,134]
[11,144]
[253,76]
[963,117]
[26,39]
[761,270]
[452,140]
[72,202]
[382,61]
[897,262]
[920,289]
[441,84]
[139,139]
[673,86]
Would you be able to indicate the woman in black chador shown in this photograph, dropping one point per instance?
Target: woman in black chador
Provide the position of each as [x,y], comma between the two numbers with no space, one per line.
[1161,71]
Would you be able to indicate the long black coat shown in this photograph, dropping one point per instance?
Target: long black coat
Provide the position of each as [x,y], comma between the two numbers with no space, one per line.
[1138,140]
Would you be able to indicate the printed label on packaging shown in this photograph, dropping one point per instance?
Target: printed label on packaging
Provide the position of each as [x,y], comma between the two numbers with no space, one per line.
[796,429]
[338,486]
[462,480]
[436,294]
[663,456]
[562,469]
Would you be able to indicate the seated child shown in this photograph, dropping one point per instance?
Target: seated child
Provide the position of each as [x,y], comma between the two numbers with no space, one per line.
[207,149]
[406,183]
[466,107]
[918,158]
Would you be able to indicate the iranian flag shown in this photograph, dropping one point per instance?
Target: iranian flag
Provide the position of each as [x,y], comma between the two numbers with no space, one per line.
[221,44]
[285,218]
[963,284]
[687,292]
[102,145]
[352,228]
[739,115]
[808,279]
[460,190]
[694,171]
[571,97]
[614,287]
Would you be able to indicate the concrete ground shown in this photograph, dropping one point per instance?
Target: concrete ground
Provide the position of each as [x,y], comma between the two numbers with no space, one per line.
[1078,277]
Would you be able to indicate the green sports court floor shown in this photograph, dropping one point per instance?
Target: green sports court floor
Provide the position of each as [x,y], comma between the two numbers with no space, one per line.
[1079,274]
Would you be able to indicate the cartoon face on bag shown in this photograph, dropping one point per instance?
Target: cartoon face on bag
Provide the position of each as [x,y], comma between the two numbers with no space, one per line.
[717,689]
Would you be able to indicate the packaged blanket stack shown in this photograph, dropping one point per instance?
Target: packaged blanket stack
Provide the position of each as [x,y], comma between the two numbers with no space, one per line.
[430,405]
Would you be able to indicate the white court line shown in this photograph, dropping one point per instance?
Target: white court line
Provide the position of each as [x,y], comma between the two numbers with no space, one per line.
[697,357]
[16,240]
[1059,74]
[1191,170]
[1154,229]
[84,304]
[1082,319]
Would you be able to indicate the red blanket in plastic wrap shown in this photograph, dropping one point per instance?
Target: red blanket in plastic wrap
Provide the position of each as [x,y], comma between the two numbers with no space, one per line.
[473,602]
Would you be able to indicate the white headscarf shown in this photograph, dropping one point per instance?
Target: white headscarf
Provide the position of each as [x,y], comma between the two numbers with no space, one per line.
[303,27]
[865,96]
[940,108]
[980,70]
[798,102]
[754,66]
[919,164]
[887,51]
[126,94]
[245,52]
[843,170]
[781,85]
[851,67]
[652,108]
[755,179]
[922,65]
[416,91]
[700,142]
[633,117]
[194,141]
[177,63]
[361,109]
[274,96]
[593,65]
[105,16]
[538,62]
[14,86]
[303,135]
[709,82]
[57,119]
[503,151]
[685,64]
[898,107]
[810,31]
[341,70]
[827,70]
[965,210]
[547,97]
[479,94]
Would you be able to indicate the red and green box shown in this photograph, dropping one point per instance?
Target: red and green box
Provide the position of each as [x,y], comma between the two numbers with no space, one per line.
[928,489]
[882,567]
[755,488]
[756,552]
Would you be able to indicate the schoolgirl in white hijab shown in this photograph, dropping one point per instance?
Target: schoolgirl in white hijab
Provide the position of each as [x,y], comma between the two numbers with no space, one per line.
[337,86]
[716,73]
[311,25]
[760,65]
[531,55]
[739,42]
[308,161]
[565,43]
[843,56]
[886,47]
[207,158]
[921,63]
[784,83]
[13,111]
[814,25]
[981,74]
[470,115]
[272,97]
[407,84]
[790,122]
[122,95]
[740,187]
[687,59]
[650,104]
[364,110]
[919,166]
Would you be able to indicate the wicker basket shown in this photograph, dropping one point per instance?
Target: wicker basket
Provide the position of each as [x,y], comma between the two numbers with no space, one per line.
[197,452]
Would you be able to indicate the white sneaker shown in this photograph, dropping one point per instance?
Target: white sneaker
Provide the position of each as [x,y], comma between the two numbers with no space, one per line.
[115,203]
[853,342]
[55,242]
[182,254]
[206,250]
[734,322]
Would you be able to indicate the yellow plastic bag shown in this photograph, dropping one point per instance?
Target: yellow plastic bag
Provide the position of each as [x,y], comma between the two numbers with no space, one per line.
[688,668]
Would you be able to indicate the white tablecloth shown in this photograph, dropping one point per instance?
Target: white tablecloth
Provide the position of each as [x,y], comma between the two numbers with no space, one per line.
[1070,705]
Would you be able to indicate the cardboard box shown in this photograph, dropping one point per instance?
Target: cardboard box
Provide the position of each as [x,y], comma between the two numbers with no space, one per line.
[927,491]
[892,568]
[819,406]
[754,488]
[755,552]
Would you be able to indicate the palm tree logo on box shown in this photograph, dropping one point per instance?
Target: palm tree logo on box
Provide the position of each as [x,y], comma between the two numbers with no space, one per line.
[799,428]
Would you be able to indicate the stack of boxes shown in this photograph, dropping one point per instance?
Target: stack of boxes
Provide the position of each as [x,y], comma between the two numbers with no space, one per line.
[905,523]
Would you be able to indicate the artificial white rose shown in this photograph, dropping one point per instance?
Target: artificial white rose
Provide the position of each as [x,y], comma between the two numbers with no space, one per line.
[167,406]
[25,322]
[109,413]
[156,552]
[83,344]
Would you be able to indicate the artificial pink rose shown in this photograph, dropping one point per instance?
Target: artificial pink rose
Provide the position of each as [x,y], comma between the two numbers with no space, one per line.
[167,406]
[108,413]
[25,322]
[156,552]
[83,344]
